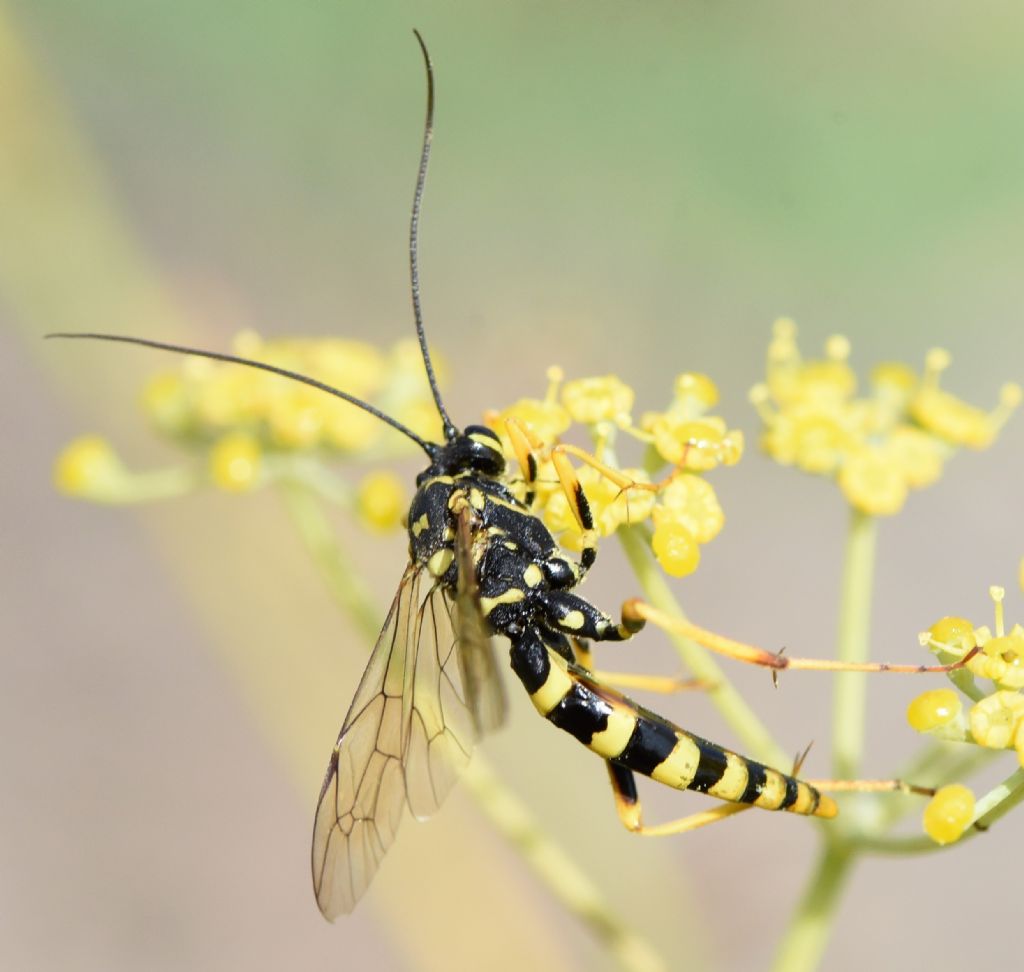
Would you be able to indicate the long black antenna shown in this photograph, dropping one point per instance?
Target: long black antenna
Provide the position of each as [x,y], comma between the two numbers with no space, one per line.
[414,231]
[429,448]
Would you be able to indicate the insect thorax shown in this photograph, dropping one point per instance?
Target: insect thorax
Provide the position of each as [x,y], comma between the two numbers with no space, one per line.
[512,548]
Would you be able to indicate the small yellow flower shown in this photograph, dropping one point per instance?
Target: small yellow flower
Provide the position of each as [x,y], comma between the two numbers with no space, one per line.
[235,462]
[915,454]
[949,813]
[381,500]
[165,400]
[952,419]
[295,420]
[546,420]
[933,709]
[695,393]
[350,429]
[995,719]
[703,443]
[872,483]
[691,501]
[675,547]
[1009,651]
[895,378]
[819,441]
[87,467]
[956,636]
[591,400]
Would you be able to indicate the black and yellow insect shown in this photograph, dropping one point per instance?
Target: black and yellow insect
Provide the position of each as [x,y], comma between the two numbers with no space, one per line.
[483,564]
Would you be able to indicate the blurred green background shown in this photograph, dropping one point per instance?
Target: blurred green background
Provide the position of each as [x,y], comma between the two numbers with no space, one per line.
[631,188]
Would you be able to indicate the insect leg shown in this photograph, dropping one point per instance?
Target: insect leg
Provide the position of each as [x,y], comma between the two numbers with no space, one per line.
[776,661]
[630,811]
[579,505]
[572,615]
[525,445]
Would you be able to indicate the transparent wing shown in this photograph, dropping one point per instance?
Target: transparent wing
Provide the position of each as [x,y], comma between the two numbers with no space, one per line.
[407,735]
[478,666]
[363,794]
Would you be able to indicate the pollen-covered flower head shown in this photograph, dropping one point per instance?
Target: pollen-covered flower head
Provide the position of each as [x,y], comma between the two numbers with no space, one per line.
[878,446]
[682,441]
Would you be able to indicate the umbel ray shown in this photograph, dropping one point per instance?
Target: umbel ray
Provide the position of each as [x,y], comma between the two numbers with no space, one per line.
[481,564]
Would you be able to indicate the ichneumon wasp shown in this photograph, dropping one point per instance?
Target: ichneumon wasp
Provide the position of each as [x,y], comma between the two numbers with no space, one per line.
[483,564]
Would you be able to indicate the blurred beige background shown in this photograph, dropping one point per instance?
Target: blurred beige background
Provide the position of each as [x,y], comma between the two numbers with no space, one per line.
[641,191]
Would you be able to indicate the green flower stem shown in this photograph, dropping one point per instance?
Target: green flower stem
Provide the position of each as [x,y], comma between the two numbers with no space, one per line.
[849,713]
[741,718]
[552,866]
[808,934]
[129,488]
[510,817]
[337,569]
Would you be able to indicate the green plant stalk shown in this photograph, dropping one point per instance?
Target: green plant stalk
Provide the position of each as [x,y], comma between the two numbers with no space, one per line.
[807,936]
[752,732]
[849,709]
[510,817]
[134,488]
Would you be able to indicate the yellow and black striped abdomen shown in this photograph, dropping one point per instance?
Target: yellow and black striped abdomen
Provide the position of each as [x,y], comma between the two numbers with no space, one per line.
[627,734]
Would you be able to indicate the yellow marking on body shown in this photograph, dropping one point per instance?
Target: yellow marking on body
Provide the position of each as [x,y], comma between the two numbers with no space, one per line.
[423,523]
[510,544]
[476,499]
[774,793]
[440,561]
[574,620]
[680,766]
[449,532]
[533,575]
[826,806]
[512,596]
[734,780]
[804,800]
[555,686]
[611,741]
[482,439]
[495,531]
[457,501]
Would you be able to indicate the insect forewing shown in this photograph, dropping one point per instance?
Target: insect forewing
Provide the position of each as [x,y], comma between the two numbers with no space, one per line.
[478,667]
[407,735]
[363,795]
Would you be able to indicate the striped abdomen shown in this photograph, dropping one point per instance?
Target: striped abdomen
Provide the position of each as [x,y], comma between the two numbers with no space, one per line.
[629,735]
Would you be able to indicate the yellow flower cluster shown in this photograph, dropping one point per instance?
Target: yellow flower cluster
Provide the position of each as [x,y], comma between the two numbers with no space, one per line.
[206,399]
[682,505]
[995,720]
[877,447]
[251,426]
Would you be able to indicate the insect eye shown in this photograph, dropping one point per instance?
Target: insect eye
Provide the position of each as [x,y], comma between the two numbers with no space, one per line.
[483,435]
[485,450]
